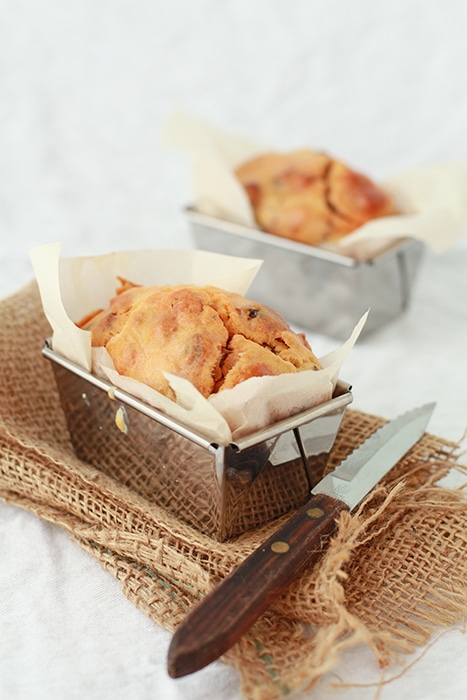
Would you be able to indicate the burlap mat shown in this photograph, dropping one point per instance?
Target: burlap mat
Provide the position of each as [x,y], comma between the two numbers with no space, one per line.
[395,572]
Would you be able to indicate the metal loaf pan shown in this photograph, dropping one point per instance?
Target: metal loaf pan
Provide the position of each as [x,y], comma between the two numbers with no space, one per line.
[312,287]
[222,490]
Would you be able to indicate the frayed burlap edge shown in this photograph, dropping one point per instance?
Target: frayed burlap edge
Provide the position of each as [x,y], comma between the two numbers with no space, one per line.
[328,609]
[391,577]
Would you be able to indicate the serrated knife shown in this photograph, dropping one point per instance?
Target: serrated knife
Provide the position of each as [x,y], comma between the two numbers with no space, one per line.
[231,608]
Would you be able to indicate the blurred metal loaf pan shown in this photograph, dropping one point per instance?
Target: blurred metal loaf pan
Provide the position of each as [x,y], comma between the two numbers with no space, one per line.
[220,490]
[312,287]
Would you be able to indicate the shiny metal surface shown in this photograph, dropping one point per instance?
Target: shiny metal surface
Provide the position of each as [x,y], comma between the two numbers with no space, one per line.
[366,466]
[312,287]
[221,490]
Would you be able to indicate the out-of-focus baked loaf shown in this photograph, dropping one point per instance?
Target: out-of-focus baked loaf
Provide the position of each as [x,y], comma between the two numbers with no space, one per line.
[214,338]
[310,197]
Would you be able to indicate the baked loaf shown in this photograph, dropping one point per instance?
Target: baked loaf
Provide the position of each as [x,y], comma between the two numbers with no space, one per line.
[310,197]
[214,338]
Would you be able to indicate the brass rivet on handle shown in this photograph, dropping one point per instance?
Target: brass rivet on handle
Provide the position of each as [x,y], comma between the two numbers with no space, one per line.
[315,513]
[280,547]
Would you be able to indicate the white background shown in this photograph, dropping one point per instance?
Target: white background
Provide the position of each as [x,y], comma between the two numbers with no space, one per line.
[86,88]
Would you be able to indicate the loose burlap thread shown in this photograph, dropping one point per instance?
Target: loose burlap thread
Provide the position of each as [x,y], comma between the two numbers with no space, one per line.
[393,574]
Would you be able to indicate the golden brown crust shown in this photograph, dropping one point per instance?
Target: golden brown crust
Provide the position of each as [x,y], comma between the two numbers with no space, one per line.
[213,338]
[310,197]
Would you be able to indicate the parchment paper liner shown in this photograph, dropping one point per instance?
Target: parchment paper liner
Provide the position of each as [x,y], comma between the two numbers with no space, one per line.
[72,287]
[433,198]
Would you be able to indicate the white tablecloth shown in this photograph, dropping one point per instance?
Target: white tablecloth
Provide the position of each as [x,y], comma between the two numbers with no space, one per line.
[85,91]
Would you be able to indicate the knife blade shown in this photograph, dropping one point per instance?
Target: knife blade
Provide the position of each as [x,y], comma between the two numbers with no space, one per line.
[222,617]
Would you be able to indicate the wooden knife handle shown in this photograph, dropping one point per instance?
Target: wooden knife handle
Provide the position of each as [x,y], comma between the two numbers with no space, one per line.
[231,608]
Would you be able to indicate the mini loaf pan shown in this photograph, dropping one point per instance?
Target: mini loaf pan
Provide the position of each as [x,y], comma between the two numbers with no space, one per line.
[222,490]
[312,287]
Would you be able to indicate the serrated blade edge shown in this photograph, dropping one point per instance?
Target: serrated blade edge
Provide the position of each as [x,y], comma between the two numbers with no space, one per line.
[354,478]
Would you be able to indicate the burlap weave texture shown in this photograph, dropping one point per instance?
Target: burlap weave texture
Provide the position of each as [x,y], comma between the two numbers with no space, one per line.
[394,573]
